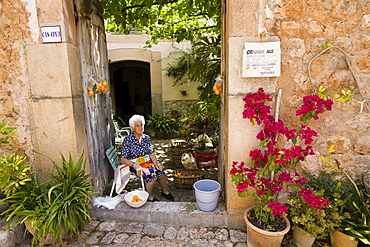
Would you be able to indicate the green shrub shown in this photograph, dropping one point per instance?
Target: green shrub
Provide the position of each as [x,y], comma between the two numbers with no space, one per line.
[56,207]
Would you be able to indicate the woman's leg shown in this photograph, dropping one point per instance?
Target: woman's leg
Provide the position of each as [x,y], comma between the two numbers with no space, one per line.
[149,188]
[163,183]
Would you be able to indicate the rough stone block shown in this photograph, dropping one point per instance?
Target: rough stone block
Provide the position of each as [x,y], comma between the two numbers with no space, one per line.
[8,239]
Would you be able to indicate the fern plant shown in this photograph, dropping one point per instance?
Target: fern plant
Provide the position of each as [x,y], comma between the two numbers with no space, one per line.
[161,123]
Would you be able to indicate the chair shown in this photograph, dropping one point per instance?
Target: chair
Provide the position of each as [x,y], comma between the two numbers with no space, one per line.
[121,172]
[121,134]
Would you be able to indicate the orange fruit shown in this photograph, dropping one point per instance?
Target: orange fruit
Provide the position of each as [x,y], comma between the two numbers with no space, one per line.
[104,83]
[136,198]
[90,93]
[217,88]
[89,89]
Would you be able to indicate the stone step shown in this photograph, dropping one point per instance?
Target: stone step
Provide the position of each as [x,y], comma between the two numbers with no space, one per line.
[164,213]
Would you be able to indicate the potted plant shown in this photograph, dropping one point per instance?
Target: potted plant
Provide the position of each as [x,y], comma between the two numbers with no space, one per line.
[161,124]
[55,207]
[312,216]
[205,113]
[357,226]
[267,173]
[178,125]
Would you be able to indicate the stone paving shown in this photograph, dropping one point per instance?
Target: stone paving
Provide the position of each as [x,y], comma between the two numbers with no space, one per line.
[118,234]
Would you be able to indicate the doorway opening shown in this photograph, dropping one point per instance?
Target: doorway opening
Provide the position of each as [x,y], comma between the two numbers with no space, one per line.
[131,86]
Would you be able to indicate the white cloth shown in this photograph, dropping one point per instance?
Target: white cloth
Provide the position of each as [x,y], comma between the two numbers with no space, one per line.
[108,202]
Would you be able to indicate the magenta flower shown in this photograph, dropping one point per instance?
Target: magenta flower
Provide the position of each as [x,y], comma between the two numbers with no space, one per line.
[274,155]
[277,208]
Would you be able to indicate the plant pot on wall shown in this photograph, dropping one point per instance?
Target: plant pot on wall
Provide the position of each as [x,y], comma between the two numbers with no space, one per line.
[302,238]
[339,239]
[257,237]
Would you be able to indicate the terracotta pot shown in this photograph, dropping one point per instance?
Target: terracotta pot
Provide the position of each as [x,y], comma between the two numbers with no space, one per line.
[257,237]
[338,239]
[31,229]
[302,238]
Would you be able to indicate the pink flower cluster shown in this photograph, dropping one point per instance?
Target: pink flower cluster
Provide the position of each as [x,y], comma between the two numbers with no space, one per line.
[277,208]
[274,158]
[312,199]
[255,108]
[312,106]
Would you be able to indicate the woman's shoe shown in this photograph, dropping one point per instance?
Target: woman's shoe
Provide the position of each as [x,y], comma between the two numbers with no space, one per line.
[168,196]
[153,200]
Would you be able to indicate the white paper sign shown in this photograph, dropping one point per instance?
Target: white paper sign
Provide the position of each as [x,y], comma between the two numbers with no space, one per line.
[51,34]
[261,59]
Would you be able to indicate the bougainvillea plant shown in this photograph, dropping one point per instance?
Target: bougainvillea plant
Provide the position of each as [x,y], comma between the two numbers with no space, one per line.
[273,160]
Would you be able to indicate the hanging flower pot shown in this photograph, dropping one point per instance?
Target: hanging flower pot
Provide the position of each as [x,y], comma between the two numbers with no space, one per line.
[257,237]
[302,238]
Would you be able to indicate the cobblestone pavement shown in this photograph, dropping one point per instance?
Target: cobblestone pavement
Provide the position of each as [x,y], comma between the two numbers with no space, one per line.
[118,234]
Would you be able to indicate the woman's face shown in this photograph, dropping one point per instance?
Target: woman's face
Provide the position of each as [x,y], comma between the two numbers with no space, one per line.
[138,127]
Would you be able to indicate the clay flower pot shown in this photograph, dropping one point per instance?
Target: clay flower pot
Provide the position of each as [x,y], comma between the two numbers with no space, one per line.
[338,239]
[302,238]
[30,226]
[257,237]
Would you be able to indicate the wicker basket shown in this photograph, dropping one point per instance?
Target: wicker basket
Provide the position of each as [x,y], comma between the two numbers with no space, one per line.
[177,149]
[187,182]
[177,160]
[179,143]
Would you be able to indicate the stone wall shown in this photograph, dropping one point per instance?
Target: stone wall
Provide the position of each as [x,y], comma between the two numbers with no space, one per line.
[302,27]
[14,88]
[43,85]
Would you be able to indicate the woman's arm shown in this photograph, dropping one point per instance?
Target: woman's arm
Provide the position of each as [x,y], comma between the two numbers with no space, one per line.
[129,163]
[155,161]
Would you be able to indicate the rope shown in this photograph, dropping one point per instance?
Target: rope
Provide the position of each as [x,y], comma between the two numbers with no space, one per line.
[314,90]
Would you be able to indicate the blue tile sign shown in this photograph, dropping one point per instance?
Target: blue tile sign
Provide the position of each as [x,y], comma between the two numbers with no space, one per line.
[261,59]
[51,34]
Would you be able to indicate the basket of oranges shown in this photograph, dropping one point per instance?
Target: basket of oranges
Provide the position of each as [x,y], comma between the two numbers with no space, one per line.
[184,179]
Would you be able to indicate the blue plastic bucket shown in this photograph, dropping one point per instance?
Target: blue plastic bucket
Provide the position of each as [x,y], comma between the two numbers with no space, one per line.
[206,194]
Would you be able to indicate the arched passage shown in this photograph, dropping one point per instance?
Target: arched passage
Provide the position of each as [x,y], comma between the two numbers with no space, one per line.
[134,70]
[132,88]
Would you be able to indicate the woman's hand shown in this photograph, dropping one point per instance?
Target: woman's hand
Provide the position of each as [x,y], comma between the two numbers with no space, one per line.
[138,169]
[158,166]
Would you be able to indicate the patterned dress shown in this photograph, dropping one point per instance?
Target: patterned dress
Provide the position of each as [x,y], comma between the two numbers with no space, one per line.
[139,153]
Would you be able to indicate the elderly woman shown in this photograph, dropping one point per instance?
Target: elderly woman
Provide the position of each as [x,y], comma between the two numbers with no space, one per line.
[137,152]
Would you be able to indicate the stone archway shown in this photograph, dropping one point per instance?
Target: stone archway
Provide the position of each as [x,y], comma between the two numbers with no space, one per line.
[139,57]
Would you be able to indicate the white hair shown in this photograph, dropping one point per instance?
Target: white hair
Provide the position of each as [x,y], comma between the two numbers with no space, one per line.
[134,119]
